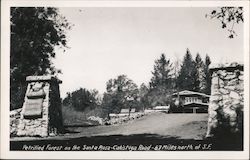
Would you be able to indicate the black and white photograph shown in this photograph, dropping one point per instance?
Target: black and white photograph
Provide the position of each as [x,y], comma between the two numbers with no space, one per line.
[158,78]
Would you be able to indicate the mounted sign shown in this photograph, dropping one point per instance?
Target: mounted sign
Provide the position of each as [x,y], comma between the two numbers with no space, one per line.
[33,108]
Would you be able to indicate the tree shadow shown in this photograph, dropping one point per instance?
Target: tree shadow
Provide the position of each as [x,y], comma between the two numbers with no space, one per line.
[65,131]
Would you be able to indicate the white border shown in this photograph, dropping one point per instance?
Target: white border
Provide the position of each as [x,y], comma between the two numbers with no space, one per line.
[5,49]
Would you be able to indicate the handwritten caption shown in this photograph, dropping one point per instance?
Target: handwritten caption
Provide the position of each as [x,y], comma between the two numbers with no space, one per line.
[167,147]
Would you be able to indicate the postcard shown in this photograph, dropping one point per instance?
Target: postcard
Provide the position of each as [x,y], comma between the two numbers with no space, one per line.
[125,79]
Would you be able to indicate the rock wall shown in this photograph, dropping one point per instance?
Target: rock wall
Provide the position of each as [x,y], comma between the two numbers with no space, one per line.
[14,121]
[41,112]
[119,118]
[226,101]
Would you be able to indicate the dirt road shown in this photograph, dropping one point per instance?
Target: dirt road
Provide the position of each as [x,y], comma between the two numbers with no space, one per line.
[153,130]
[185,126]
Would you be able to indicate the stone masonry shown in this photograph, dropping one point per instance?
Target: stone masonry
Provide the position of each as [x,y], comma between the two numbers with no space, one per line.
[41,113]
[226,101]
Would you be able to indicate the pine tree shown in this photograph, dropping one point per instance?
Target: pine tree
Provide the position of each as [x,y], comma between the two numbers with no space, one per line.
[199,64]
[187,76]
[176,67]
[207,75]
[161,85]
[162,74]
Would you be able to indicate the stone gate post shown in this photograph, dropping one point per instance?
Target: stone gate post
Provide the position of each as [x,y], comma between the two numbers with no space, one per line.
[41,113]
[226,101]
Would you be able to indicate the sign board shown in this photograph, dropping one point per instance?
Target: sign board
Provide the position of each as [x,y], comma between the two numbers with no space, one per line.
[33,108]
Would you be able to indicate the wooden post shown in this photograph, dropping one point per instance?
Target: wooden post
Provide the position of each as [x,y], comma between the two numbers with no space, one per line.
[194,110]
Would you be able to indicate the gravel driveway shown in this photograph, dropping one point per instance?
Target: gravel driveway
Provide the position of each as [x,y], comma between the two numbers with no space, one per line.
[187,126]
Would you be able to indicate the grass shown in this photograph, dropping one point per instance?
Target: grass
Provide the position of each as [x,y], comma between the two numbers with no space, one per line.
[71,117]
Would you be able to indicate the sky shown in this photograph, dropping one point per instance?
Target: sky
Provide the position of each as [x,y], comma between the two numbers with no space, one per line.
[107,42]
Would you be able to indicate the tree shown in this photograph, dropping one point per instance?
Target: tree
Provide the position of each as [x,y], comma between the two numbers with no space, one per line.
[176,73]
[68,99]
[207,75]
[97,96]
[162,74]
[201,81]
[162,82]
[228,16]
[159,97]
[119,93]
[143,96]
[82,99]
[35,32]
[187,79]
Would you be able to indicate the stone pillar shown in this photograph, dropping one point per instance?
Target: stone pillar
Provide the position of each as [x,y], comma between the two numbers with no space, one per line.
[226,101]
[41,113]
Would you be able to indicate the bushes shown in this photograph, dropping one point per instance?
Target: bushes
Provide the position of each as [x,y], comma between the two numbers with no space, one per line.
[72,117]
[82,99]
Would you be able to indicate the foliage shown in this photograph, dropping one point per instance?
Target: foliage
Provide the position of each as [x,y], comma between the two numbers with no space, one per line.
[122,92]
[161,84]
[159,97]
[72,117]
[143,96]
[35,32]
[176,68]
[228,16]
[67,100]
[201,81]
[187,78]
[162,74]
[207,75]
[194,74]
[82,99]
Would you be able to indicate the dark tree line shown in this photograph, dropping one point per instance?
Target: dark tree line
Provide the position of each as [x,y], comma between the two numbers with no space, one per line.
[167,78]
[194,74]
